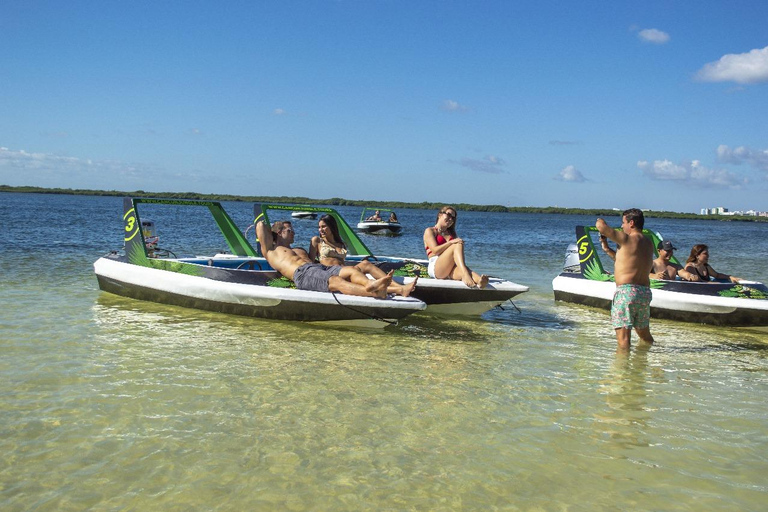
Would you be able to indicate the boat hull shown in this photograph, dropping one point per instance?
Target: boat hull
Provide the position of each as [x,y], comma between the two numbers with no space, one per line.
[379,227]
[683,301]
[246,299]
[442,296]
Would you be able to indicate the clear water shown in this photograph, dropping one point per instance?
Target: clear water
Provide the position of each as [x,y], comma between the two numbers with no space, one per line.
[114,404]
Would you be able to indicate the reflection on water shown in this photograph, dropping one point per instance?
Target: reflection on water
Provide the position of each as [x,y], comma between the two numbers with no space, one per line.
[114,404]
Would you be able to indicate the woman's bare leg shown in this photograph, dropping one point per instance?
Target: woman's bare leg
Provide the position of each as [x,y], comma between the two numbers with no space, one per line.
[459,270]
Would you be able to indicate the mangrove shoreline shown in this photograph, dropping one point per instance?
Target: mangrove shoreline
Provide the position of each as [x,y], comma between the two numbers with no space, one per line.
[337,201]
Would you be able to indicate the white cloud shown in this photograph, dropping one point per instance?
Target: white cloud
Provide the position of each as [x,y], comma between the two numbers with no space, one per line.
[756,158]
[742,68]
[44,164]
[652,35]
[279,112]
[490,164]
[453,106]
[570,173]
[692,173]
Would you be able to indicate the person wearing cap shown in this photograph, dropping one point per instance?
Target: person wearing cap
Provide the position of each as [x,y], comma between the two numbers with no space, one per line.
[663,268]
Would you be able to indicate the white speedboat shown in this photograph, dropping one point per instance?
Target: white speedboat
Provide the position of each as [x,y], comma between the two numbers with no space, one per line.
[371,221]
[585,281]
[443,296]
[304,215]
[214,284]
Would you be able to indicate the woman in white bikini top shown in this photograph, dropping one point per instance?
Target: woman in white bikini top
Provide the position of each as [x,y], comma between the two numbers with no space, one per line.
[328,248]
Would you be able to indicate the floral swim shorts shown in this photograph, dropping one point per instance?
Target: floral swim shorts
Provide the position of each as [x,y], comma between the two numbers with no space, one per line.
[631,306]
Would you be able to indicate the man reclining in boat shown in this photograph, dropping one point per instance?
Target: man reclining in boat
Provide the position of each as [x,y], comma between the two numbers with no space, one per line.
[296,266]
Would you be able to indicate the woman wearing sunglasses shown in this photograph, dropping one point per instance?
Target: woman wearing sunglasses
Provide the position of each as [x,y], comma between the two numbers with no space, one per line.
[445,251]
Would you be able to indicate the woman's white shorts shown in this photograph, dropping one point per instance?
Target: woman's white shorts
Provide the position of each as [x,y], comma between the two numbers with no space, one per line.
[431,267]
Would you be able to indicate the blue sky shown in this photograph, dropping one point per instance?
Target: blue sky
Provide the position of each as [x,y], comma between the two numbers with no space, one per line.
[654,104]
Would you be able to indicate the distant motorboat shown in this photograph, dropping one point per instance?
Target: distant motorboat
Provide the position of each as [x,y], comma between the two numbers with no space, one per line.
[304,215]
[372,222]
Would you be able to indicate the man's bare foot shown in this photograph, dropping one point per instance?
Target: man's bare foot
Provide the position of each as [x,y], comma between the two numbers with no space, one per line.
[379,285]
[483,281]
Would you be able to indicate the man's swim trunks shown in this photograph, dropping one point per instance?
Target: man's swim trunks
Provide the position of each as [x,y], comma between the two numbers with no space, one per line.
[314,276]
[631,306]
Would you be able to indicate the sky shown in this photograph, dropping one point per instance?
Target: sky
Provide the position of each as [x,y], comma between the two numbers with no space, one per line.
[600,104]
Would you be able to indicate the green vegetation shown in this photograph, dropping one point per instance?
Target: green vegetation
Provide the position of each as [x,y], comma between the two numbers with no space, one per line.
[337,201]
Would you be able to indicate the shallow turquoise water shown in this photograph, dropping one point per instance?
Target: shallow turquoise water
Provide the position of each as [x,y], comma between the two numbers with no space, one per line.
[114,404]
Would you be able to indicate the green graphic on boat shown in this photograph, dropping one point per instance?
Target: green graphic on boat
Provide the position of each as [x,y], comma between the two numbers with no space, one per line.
[281,282]
[593,271]
[175,266]
[743,292]
[411,269]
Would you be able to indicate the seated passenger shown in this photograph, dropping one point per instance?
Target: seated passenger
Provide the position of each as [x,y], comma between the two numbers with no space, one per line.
[330,250]
[296,266]
[376,217]
[698,264]
[445,251]
[392,217]
[664,269]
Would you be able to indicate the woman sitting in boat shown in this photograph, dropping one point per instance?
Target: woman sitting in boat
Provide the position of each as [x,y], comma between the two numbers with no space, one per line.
[392,218]
[330,250]
[698,264]
[445,251]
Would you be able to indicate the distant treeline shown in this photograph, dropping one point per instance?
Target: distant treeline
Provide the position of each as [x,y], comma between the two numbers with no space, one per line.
[337,201]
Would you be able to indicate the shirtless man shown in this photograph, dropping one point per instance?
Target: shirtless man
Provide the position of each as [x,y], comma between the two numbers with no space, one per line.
[663,269]
[296,266]
[634,258]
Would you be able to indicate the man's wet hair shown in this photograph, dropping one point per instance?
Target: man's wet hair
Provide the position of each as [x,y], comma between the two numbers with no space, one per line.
[635,214]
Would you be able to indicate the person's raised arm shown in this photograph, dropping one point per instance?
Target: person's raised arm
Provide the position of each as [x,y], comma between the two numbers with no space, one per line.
[266,241]
[606,248]
[620,237]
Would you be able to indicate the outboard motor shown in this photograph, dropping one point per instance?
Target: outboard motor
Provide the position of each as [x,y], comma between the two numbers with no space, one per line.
[572,259]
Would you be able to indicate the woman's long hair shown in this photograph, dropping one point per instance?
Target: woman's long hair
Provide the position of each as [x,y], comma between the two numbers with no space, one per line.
[452,229]
[331,223]
[695,251]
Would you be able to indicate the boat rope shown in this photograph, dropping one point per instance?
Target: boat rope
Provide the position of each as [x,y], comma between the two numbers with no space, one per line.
[513,305]
[372,317]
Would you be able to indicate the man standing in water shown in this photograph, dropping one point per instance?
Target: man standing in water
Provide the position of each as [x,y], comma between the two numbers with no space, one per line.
[634,260]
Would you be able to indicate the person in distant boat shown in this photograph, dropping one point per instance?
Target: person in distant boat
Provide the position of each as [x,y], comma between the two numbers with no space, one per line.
[393,217]
[664,269]
[376,217]
[330,250]
[296,266]
[698,264]
[445,251]
[634,259]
